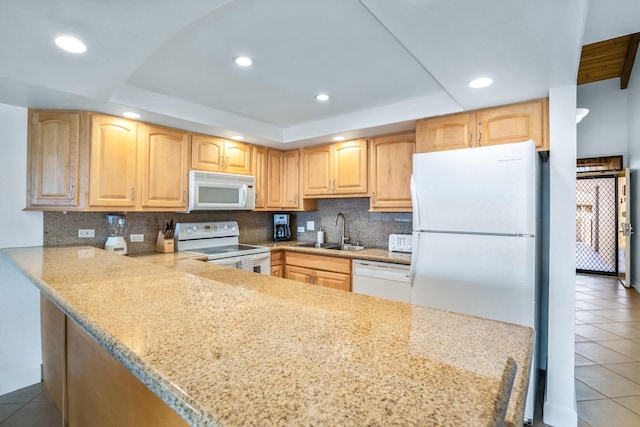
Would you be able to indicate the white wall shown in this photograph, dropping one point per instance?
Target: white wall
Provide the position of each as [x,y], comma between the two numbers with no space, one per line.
[603,131]
[560,401]
[20,354]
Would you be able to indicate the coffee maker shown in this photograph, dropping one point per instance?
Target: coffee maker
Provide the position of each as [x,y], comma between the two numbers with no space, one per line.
[281,227]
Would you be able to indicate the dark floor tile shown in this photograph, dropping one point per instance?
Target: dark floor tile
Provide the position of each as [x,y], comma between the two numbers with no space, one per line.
[23,395]
[34,414]
[7,409]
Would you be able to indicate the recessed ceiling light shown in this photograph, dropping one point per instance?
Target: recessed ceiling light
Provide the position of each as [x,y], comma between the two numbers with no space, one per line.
[70,44]
[131,115]
[481,82]
[581,113]
[243,61]
[237,137]
[322,97]
[339,138]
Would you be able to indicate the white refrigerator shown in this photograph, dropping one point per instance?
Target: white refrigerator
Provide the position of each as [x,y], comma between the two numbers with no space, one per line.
[475,222]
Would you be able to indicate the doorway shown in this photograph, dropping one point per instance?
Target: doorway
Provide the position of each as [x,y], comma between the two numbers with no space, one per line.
[597,225]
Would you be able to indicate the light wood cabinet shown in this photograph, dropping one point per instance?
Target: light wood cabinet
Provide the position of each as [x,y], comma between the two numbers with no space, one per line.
[490,126]
[277,263]
[283,182]
[56,172]
[54,362]
[210,153]
[164,174]
[113,172]
[259,170]
[336,170]
[390,172]
[328,271]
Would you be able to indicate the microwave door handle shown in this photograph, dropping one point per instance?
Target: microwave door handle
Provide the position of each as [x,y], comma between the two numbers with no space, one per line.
[243,196]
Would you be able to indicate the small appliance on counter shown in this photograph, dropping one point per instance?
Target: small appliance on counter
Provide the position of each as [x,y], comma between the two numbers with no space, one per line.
[164,242]
[117,226]
[281,227]
[400,243]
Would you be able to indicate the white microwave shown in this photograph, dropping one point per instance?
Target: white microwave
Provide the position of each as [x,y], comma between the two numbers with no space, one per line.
[213,191]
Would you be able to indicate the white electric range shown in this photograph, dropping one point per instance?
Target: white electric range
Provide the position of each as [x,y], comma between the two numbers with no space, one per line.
[219,242]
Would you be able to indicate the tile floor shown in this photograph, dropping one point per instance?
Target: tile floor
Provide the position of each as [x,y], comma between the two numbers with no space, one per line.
[607,364]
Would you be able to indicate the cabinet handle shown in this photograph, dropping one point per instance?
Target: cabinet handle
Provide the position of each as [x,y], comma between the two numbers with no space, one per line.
[480,135]
[470,138]
[184,196]
[226,163]
[133,193]
[295,199]
[329,186]
[373,196]
[221,162]
[71,187]
[334,186]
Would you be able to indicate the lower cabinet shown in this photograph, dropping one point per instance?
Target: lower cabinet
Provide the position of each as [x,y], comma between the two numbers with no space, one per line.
[328,271]
[89,386]
[277,265]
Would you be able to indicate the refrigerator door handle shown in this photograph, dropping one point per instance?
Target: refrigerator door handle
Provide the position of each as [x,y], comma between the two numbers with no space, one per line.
[414,203]
[415,242]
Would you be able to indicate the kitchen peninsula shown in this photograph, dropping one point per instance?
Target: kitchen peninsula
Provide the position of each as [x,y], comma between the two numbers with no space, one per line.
[225,347]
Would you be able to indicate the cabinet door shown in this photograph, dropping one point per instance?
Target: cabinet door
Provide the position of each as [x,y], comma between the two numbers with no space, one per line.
[237,157]
[113,172]
[54,357]
[300,274]
[277,271]
[291,179]
[207,153]
[333,280]
[445,133]
[317,174]
[259,170]
[274,181]
[350,168]
[53,178]
[391,168]
[511,123]
[164,178]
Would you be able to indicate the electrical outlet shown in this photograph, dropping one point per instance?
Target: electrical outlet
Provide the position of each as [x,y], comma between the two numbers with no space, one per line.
[300,229]
[86,232]
[136,238]
[311,226]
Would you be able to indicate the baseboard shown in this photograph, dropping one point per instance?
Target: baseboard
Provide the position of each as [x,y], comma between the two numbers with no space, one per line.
[17,379]
[559,416]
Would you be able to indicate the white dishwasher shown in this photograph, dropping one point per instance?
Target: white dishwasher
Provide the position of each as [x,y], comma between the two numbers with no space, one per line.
[381,279]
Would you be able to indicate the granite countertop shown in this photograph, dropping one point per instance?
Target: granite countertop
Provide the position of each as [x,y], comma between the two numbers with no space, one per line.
[370,254]
[227,347]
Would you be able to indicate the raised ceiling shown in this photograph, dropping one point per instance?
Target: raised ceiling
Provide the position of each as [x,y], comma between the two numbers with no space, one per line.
[384,63]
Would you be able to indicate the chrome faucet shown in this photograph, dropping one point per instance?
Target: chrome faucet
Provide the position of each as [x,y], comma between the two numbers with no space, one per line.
[344,239]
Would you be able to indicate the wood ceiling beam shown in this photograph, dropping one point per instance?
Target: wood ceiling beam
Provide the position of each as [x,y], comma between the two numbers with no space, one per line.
[634,40]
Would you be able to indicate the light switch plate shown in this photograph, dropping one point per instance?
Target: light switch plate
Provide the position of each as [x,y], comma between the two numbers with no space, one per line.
[311,226]
[300,229]
[136,238]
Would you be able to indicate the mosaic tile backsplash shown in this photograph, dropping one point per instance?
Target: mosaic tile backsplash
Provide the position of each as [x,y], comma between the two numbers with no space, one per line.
[371,229]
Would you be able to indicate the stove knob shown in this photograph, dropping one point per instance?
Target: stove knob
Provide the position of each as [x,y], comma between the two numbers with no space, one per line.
[233,229]
[189,231]
[226,227]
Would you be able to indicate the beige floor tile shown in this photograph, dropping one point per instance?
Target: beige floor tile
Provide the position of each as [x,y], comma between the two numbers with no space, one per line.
[588,316]
[586,296]
[607,413]
[606,382]
[599,353]
[616,314]
[628,370]
[605,303]
[589,304]
[627,347]
[594,333]
[620,329]
[584,392]
[580,360]
[633,324]
[580,338]
[583,423]
[631,403]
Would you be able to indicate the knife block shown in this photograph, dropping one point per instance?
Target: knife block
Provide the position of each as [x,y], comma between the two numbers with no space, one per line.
[164,245]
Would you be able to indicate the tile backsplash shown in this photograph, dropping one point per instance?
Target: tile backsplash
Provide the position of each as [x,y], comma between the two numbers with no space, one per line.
[370,228]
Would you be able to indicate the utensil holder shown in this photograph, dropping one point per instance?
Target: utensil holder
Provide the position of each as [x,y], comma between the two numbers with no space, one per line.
[164,245]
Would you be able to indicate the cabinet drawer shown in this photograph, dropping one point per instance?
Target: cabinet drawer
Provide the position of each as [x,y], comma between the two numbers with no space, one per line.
[319,262]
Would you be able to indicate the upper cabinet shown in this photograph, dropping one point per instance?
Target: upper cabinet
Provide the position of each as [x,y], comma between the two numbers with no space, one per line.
[113,175]
[283,182]
[336,170]
[164,178]
[56,168]
[259,170]
[209,153]
[390,172]
[137,166]
[491,126]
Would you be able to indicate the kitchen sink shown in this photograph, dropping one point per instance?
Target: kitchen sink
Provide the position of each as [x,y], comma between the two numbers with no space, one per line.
[319,245]
[347,248]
